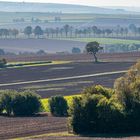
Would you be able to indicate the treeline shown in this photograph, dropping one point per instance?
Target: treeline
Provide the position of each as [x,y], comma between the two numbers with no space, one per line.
[71,31]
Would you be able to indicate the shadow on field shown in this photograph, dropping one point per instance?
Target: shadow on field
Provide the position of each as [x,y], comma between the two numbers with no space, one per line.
[113,135]
[27,116]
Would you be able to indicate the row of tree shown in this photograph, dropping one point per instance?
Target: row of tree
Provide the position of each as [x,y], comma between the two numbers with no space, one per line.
[71,31]
[92,31]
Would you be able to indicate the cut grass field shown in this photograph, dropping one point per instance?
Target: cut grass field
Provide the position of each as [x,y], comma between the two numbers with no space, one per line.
[105,40]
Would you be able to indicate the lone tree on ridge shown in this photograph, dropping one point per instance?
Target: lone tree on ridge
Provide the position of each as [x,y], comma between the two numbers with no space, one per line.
[93,48]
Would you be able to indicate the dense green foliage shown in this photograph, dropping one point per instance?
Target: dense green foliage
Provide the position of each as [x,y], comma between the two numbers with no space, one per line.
[93,48]
[58,106]
[102,110]
[76,50]
[19,103]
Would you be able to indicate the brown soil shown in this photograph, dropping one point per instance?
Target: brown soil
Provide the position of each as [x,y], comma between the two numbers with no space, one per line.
[11,127]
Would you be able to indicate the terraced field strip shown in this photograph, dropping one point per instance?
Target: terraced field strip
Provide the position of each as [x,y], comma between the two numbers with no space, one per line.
[64,78]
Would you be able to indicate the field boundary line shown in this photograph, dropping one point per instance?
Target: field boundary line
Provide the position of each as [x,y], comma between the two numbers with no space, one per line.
[64,78]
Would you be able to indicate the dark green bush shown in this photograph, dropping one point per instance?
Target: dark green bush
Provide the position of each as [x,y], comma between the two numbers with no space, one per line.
[1,104]
[3,63]
[96,111]
[6,100]
[58,106]
[26,103]
[19,103]
[102,110]
[98,89]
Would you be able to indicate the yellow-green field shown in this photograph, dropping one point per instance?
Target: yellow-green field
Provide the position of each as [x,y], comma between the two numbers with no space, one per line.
[36,63]
[45,104]
[105,40]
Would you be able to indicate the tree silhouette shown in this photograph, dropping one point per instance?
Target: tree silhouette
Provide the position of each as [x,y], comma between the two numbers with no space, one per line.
[38,31]
[28,31]
[93,48]
[66,29]
[15,32]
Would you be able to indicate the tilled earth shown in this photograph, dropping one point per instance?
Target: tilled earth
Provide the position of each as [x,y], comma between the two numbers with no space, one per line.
[11,127]
[17,127]
[62,87]
[86,138]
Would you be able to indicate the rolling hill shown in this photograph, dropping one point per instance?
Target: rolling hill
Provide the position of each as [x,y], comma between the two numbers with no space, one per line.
[62,8]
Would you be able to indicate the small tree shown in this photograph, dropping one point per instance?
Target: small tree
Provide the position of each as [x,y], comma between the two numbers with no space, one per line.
[58,106]
[66,29]
[38,31]
[15,32]
[3,62]
[41,52]
[93,48]
[28,31]
[76,50]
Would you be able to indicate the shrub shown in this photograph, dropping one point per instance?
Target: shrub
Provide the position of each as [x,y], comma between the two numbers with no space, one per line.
[19,103]
[76,121]
[76,50]
[98,89]
[95,111]
[130,99]
[6,100]
[3,63]
[26,103]
[105,110]
[58,106]
[1,104]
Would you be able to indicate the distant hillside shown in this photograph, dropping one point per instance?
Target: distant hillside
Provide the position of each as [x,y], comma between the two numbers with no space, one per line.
[127,8]
[49,7]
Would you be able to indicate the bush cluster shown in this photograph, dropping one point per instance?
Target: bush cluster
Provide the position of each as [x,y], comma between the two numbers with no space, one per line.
[58,106]
[103,110]
[19,103]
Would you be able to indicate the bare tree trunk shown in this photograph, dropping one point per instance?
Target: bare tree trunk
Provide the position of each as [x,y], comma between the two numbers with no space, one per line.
[95,58]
